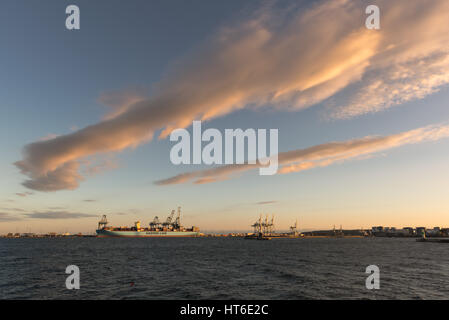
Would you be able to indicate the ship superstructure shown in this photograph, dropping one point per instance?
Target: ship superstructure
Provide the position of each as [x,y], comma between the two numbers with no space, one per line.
[169,228]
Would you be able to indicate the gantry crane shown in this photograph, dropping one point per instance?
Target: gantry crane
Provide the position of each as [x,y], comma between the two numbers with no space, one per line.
[155,223]
[103,222]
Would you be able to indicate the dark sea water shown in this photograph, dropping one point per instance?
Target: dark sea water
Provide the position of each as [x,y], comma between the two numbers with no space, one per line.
[223,268]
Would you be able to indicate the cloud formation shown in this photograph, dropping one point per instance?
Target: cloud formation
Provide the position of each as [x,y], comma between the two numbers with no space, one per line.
[58,215]
[65,176]
[24,194]
[266,202]
[320,155]
[289,59]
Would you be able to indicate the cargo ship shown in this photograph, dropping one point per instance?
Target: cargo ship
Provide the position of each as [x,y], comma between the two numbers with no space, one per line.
[170,228]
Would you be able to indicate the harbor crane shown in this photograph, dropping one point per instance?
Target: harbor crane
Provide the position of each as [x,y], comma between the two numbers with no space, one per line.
[169,219]
[103,222]
[294,228]
[271,225]
[155,223]
[169,223]
[264,226]
[177,223]
[267,226]
[258,226]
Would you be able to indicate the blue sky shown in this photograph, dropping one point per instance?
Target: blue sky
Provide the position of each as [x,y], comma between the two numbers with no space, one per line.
[51,80]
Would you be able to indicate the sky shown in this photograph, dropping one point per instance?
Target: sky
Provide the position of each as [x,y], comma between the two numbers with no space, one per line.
[85,114]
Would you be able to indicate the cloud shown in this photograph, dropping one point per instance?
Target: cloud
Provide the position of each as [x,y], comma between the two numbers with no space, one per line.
[24,194]
[5,217]
[395,85]
[96,166]
[121,100]
[58,215]
[89,200]
[287,59]
[412,63]
[266,202]
[321,155]
[62,177]
[13,209]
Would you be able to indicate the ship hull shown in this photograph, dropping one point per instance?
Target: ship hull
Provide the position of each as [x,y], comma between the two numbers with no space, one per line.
[146,234]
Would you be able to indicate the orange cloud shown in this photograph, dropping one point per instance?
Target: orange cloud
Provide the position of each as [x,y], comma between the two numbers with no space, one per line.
[321,155]
[289,62]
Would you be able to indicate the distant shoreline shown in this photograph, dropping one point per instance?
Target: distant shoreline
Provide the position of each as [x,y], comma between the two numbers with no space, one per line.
[230,236]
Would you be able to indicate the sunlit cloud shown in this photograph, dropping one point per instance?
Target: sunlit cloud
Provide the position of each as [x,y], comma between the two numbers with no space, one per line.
[266,202]
[13,209]
[23,194]
[65,176]
[285,60]
[120,101]
[58,215]
[322,155]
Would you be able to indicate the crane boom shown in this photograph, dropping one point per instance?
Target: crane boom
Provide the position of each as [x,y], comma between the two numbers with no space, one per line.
[169,218]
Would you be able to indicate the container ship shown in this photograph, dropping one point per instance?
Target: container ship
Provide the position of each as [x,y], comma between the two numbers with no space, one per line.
[170,228]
